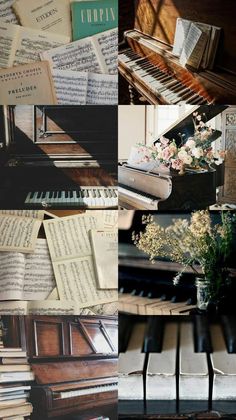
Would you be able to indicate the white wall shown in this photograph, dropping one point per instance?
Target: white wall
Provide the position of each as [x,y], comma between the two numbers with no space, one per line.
[132,128]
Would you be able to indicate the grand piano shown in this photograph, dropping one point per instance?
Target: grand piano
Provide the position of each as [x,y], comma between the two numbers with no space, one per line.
[74,360]
[150,73]
[139,189]
[58,157]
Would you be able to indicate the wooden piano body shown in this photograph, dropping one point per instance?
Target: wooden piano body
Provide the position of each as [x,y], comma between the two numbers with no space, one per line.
[74,360]
[55,150]
[193,190]
[151,36]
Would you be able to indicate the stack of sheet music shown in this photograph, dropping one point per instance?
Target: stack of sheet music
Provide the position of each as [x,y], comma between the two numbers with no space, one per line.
[58,52]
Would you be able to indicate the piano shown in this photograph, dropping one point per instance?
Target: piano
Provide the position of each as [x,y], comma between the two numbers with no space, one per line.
[147,289]
[177,367]
[143,190]
[74,360]
[58,160]
[150,73]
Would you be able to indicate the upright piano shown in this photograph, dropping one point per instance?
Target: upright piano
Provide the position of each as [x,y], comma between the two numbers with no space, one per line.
[139,189]
[74,360]
[151,73]
[59,157]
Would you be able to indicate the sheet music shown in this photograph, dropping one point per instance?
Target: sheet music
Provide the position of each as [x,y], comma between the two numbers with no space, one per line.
[181,32]
[106,309]
[54,295]
[35,214]
[106,43]
[68,236]
[31,42]
[102,89]
[8,38]
[39,308]
[78,55]
[12,272]
[18,233]
[76,281]
[70,86]
[39,280]
[190,54]
[7,14]
[110,218]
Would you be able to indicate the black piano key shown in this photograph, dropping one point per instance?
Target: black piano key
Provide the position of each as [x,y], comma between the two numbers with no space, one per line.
[50,194]
[229,329]
[32,195]
[125,328]
[38,194]
[78,194]
[70,194]
[154,335]
[202,336]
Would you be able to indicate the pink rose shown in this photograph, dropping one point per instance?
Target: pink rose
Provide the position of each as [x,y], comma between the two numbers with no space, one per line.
[177,164]
[164,141]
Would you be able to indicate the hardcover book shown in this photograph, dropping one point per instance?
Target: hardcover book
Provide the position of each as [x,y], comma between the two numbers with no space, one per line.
[92,17]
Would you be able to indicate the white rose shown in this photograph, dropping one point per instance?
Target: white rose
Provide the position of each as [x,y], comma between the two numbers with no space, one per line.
[190,143]
[182,154]
[197,152]
[188,160]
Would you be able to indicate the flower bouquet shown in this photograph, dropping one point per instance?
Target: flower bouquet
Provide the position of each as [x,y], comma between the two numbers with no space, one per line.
[196,243]
[196,152]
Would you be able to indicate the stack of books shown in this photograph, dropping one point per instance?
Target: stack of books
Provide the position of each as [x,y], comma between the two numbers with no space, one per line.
[15,375]
[59,52]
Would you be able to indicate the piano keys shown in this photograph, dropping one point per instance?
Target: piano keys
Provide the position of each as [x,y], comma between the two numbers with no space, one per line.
[180,375]
[151,71]
[195,190]
[84,197]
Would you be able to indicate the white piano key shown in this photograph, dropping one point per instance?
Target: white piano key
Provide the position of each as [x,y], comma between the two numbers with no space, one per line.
[161,368]
[138,199]
[193,372]
[224,367]
[131,365]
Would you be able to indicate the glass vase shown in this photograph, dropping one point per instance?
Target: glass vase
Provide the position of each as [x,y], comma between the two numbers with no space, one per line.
[203,295]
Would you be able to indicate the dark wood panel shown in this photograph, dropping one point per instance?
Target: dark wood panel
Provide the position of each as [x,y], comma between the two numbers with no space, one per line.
[49,338]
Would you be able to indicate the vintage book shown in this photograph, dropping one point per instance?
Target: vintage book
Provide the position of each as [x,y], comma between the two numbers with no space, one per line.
[21,45]
[196,43]
[12,352]
[29,84]
[71,254]
[85,88]
[23,409]
[7,14]
[105,258]
[19,230]
[13,368]
[48,15]
[13,361]
[27,276]
[92,17]
[97,54]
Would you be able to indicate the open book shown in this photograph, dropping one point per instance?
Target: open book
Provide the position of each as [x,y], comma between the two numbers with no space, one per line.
[19,230]
[71,254]
[26,276]
[29,84]
[196,43]
[21,45]
[97,54]
[85,88]
[52,16]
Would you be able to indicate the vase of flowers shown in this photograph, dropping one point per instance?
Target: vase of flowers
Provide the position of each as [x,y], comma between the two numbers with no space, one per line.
[198,244]
[194,152]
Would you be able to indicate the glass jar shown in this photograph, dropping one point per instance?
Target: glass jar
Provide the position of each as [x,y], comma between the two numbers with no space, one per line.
[203,294]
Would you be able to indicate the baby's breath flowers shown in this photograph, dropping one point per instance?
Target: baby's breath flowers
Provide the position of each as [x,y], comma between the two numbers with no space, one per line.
[192,243]
[195,151]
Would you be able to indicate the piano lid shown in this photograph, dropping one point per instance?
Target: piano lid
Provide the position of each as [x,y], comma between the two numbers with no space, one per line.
[157,18]
[185,123]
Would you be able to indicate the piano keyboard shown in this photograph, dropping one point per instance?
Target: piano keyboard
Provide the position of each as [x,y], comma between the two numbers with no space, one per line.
[163,85]
[140,305]
[88,391]
[180,364]
[140,201]
[93,197]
